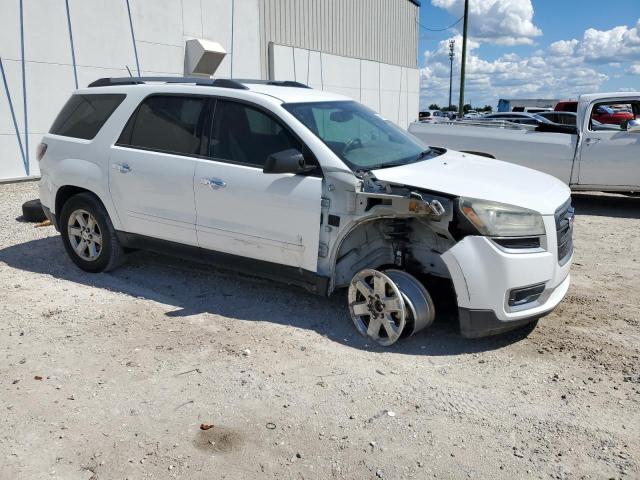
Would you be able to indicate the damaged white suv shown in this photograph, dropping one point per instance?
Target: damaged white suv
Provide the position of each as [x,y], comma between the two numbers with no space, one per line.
[306,187]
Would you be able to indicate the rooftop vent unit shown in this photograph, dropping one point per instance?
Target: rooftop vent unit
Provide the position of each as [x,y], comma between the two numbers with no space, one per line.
[203,57]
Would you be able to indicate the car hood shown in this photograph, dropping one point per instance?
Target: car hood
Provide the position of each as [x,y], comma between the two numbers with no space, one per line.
[466,175]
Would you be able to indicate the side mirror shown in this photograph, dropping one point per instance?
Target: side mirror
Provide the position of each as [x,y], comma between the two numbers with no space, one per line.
[287,161]
[633,126]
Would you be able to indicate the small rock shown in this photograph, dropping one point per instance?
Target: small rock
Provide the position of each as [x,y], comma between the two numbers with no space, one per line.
[379,371]
[298,455]
[379,473]
[390,413]
[246,353]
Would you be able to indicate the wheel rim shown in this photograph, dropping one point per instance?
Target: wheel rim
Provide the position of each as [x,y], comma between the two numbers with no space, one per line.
[85,236]
[376,306]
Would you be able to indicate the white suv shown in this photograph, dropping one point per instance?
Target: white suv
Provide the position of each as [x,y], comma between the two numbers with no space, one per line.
[306,187]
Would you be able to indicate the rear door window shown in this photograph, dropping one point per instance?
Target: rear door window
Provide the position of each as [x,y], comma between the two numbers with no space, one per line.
[84,115]
[166,123]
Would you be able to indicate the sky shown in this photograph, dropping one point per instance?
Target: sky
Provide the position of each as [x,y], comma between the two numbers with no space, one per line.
[530,49]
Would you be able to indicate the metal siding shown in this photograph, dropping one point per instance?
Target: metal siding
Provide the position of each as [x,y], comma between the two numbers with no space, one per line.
[379,30]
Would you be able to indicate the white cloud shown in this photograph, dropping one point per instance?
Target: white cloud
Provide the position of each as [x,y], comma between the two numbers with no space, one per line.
[565,68]
[551,73]
[504,22]
[608,46]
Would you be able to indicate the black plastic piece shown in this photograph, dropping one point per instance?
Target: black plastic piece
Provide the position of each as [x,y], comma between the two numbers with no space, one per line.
[518,242]
[306,279]
[484,323]
[209,82]
[275,83]
[334,220]
[524,295]
[53,218]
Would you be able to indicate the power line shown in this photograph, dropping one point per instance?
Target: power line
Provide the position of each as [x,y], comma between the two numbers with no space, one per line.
[441,29]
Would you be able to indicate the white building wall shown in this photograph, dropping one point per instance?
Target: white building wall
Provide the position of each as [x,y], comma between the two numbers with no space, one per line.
[69,43]
[391,90]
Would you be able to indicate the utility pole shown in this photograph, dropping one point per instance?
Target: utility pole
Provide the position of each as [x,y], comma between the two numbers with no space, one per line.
[464,58]
[451,55]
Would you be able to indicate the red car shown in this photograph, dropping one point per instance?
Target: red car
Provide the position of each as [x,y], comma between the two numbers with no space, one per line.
[601,113]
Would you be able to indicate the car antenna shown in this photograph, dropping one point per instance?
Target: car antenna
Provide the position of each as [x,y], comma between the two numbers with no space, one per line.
[127,67]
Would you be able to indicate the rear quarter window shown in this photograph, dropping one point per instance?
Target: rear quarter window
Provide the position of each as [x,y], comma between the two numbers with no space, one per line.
[84,115]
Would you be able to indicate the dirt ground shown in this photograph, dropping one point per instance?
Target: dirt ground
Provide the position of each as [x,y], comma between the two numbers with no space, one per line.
[110,376]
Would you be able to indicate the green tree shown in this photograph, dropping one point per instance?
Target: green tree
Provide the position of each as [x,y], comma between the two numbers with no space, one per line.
[466,108]
[434,106]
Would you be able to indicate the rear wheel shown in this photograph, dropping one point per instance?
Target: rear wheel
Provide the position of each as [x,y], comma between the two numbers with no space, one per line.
[88,234]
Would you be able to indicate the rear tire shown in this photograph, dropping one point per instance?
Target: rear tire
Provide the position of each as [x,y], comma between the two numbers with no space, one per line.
[88,235]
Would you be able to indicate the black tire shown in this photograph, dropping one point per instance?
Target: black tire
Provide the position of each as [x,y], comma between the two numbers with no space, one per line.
[111,254]
[32,211]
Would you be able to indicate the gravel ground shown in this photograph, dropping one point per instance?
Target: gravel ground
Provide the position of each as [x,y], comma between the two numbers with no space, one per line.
[111,375]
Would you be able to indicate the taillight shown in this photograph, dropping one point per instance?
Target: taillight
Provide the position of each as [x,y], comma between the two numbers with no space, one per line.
[41,150]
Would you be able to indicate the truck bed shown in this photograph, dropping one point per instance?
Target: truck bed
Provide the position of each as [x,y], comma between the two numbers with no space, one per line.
[551,152]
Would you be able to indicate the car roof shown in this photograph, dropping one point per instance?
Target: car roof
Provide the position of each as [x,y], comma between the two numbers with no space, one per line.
[607,96]
[296,95]
[284,91]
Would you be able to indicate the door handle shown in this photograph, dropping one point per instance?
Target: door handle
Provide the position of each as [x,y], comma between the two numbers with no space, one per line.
[213,183]
[121,167]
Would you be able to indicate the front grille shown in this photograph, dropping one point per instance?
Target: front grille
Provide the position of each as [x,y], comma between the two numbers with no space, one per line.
[564,230]
[518,242]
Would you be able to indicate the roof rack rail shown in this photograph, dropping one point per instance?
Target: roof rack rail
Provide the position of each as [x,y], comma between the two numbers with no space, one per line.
[210,82]
[276,83]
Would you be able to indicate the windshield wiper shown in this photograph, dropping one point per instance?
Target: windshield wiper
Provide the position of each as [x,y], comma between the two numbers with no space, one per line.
[423,154]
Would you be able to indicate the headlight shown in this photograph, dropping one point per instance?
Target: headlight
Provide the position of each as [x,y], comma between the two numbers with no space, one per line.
[499,219]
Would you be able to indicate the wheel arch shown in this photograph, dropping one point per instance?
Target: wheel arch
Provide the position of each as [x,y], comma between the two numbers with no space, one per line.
[75,175]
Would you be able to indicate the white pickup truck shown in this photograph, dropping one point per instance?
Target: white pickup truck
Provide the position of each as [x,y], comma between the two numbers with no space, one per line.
[591,156]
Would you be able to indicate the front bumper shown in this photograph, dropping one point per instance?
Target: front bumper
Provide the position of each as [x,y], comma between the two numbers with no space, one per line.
[484,274]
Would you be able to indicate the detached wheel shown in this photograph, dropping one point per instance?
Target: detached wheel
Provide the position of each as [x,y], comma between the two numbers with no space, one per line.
[419,307]
[32,211]
[88,234]
[377,307]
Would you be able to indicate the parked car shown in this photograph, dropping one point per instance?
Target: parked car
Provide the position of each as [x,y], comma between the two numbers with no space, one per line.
[601,113]
[531,109]
[570,119]
[561,118]
[309,188]
[586,157]
[432,116]
[515,117]
[472,114]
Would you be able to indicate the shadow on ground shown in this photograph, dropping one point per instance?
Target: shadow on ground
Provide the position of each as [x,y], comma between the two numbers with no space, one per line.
[195,288]
[619,206]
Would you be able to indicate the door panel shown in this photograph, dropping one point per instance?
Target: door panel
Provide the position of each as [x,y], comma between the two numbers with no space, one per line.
[155,196]
[610,158]
[152,167]
[270,217]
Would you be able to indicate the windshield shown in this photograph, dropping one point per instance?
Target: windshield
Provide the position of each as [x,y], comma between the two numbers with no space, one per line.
[359,136]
